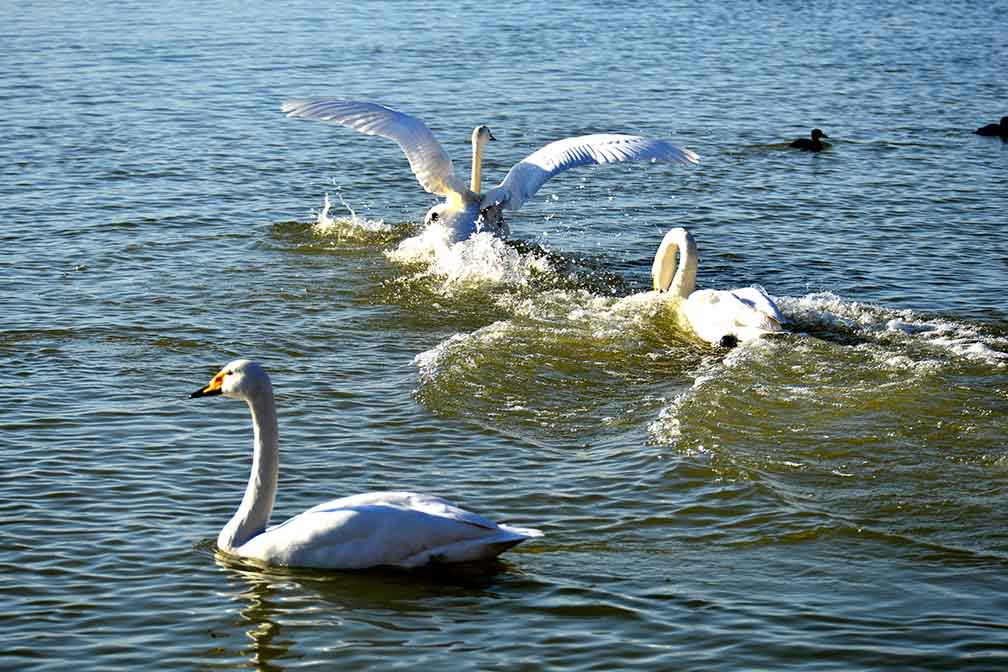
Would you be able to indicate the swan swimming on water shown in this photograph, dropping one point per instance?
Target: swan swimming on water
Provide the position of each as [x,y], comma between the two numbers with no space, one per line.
[721,317]
[401,529]
[466,210]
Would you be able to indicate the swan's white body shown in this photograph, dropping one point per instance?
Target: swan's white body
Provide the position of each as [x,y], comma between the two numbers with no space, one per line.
[375,529]
[721,317]
[466,210]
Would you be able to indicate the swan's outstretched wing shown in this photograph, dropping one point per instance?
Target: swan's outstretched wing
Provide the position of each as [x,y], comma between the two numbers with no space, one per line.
[427,158]
[525,178]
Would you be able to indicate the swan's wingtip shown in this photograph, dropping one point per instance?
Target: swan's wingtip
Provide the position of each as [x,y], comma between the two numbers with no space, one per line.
[292,106]
[691,156]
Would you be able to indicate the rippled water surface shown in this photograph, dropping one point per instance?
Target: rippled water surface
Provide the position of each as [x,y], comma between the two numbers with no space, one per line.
[834,498]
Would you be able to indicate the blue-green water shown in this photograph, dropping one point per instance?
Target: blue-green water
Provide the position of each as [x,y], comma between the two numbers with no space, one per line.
[834,499]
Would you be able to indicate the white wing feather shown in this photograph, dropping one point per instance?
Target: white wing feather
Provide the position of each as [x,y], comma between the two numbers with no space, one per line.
[427,158]
[765,314]
[434,506]
[525,178]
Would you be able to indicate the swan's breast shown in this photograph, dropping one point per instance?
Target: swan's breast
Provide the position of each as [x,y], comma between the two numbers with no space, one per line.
[460,222]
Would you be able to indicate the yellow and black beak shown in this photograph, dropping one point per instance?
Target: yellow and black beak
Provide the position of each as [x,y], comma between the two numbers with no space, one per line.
[212,389]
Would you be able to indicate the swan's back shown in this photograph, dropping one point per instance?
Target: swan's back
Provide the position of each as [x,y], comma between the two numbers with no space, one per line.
[739,315]
[383,529]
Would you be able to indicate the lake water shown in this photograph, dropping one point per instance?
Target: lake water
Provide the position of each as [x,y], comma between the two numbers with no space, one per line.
[834,499]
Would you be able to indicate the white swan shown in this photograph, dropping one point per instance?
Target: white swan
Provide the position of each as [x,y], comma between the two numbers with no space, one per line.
[721,317]
[369,530]
[466,210]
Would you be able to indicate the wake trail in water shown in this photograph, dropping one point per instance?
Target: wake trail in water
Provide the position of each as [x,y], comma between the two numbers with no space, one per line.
[826,315]
[554,330]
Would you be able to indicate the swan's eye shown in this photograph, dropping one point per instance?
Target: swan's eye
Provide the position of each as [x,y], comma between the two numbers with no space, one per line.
[433,216]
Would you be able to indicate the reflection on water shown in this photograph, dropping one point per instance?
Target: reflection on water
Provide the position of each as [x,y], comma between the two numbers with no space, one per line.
[258,620]
[276,603]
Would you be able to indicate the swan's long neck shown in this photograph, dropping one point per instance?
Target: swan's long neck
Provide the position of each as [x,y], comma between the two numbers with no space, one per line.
[254,511]
[478,144]
[683,282]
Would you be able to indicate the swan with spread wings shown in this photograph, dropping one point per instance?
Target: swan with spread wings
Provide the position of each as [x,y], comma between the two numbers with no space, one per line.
[467,210]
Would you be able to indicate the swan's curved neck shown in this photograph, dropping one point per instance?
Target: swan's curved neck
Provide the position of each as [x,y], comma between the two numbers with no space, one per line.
[683,282]
[256,506]
[478,144]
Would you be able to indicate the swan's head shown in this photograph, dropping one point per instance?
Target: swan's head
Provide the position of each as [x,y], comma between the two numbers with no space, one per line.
[676,241]
[240,379]
[482,135]
[816,134]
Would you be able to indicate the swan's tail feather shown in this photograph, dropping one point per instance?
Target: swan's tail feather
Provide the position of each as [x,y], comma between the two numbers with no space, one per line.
[766,323]
[522,532]
[471,550]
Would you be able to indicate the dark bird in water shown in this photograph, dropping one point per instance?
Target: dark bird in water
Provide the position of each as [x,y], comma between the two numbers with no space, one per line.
[813,145]
[995,129]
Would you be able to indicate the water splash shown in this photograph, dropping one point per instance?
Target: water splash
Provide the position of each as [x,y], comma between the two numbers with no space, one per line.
[480,259]
[352,228]
[826,315]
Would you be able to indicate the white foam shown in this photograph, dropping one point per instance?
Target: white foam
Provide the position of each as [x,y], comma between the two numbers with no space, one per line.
[827,312]
[900,342]
[482,258]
